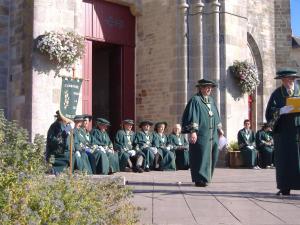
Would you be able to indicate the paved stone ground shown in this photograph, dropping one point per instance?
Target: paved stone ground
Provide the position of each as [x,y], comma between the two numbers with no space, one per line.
[236,196]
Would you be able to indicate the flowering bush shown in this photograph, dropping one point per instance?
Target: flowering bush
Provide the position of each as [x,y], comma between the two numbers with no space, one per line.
[28,196]
[63,47]
[246,75]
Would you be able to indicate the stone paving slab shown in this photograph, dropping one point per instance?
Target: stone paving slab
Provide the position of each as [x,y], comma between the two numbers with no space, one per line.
[236,196]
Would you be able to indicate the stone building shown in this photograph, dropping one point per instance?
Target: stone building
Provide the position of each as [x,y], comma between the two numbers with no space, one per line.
[143,57]
[295,53]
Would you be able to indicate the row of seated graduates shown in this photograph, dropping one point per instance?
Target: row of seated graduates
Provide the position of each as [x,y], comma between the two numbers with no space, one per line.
[94,153]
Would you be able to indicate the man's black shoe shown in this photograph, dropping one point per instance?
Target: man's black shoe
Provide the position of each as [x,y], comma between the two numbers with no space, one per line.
[147,170]
[284,192]
[200,184]
[139,169]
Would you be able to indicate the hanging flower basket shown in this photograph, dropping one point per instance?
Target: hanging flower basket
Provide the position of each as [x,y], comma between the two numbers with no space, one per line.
[65,48]
[246,76]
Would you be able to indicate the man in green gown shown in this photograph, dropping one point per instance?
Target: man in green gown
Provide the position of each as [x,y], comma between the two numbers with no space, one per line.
[58,144]
[82,162]
[265,146]
[98,159]
[286,132]
[180,146]
[246,141]
[130,159]
[201,121]
[101,139]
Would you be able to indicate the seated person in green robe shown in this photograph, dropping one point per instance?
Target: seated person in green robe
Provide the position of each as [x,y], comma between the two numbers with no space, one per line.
[98,159]
[101,139]
[246,141]
[160,141]
[265,146]
[143,141]
[58,143]
[130,159]
[180,146]
[82,162]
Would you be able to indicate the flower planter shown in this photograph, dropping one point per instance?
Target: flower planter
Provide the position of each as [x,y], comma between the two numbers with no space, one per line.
[235,159]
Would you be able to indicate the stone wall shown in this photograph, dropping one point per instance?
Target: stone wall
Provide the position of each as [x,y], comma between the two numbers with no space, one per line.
[156,89]
[21,26]
[51,15]
[283,33]
[261,28]
[4,53]
[247,33]
[233,44]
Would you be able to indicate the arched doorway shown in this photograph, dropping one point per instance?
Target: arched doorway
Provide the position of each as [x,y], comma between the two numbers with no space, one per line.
[255,101]
[108,66]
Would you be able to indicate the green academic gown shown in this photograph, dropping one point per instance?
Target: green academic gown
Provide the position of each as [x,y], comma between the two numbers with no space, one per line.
[58,147]
[102,139]
[180,147]
[202,116]
[286,133]
[265,150]
[143,142]
[82,161]
[168,157]
[98,159]
[124,143]
[245,141]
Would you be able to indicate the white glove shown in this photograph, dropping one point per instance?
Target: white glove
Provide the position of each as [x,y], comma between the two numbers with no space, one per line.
[250,147]
[102,149]
[87,149]
[285,109]
[168,148]
[110,150]
[77,153]
[131,153]
[154,150]
[69,127]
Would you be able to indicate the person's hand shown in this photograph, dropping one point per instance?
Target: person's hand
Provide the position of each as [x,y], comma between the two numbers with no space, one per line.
[131,153]
[193,138]
[285,109]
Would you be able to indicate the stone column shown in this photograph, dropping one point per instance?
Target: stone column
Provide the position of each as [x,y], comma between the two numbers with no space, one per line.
[215,10]
[181,80]
[195,44]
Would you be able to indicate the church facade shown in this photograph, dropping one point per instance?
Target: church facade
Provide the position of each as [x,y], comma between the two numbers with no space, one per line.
[142,57]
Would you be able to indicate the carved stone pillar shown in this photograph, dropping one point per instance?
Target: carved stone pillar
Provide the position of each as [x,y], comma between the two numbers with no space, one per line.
[182,64]
[215,10]
[195,44]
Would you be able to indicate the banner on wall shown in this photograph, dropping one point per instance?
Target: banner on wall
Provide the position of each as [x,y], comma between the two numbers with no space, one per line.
[70,90]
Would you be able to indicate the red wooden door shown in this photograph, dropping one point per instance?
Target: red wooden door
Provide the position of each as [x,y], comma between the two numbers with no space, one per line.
[114,24]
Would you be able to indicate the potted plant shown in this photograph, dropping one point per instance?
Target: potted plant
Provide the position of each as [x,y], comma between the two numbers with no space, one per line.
[65,47]
[235,157]
[246,76]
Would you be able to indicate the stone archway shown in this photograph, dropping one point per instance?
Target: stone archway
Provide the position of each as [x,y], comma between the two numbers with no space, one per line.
[254,57]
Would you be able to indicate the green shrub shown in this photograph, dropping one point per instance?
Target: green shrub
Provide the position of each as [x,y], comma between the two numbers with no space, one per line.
[28,196]
[233,146]
[64,200]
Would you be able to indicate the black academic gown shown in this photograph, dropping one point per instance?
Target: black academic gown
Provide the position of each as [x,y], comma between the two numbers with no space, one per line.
[286,133]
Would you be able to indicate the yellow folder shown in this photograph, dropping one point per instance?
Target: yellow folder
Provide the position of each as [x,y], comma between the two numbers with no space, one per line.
[295,102]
